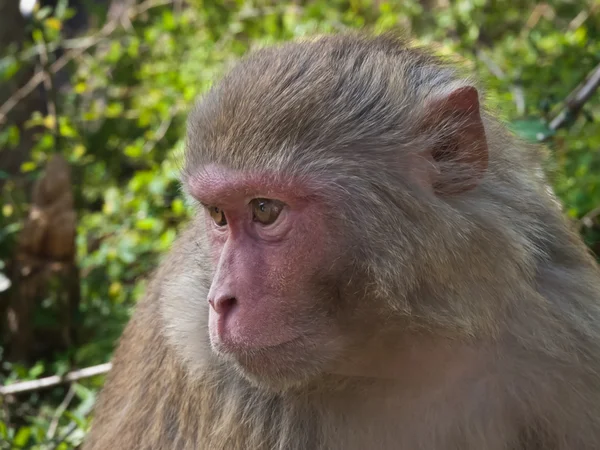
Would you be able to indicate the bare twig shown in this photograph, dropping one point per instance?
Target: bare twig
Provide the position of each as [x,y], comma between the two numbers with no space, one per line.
[104,32]
[55,443]
[39,77]
[541,10]
[576,99]
[590,218]
[143,7]
[583,15]
[59,412]
[34,385]
[48,84]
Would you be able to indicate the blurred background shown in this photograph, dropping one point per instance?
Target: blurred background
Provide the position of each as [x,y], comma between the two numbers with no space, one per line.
[93,102]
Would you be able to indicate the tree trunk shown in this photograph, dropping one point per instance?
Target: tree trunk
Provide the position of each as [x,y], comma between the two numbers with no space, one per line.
[44,272]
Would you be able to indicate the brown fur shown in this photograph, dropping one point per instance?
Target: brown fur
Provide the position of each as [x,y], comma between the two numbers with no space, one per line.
[483,306]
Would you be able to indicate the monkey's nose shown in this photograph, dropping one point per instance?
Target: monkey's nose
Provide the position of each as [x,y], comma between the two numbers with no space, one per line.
[222,304]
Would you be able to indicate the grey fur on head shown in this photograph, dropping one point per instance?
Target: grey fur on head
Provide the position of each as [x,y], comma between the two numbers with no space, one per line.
[345,112]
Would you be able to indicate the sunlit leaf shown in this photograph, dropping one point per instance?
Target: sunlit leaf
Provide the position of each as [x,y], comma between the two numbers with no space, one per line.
[28,166]
[22,437]
[7,210]
[50,122]
[78,151]
[53,23]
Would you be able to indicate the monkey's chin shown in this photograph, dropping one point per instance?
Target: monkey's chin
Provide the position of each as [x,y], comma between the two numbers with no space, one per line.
[279,367]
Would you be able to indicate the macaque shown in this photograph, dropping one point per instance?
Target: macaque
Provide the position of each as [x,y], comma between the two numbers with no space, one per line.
[375,263]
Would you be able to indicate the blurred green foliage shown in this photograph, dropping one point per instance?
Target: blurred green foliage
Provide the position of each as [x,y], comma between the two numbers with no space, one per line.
[122,127]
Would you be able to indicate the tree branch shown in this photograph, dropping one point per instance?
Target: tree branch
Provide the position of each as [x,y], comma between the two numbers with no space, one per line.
[576,99]
[34,385]
[590,218]
[39,77]
[59,412]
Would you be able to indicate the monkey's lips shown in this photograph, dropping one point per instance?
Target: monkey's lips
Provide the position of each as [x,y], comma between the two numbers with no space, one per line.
[230,347]
[239,333]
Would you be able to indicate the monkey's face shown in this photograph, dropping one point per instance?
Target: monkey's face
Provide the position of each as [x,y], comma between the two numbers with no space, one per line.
[275,284]
[323,183]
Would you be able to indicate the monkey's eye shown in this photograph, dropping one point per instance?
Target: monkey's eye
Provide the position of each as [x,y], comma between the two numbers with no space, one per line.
[266,211]
[218,216]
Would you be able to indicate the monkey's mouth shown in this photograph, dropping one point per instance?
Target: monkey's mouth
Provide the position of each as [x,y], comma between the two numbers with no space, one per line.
[241,332]
[242,350]
[278,367]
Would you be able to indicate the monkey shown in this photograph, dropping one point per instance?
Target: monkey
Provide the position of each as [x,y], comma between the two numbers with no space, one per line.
[375,262]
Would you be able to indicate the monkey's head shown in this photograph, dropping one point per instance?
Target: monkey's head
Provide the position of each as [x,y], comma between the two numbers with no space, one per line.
[334,180]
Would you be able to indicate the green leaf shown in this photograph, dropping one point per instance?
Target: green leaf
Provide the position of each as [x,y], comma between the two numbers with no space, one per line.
[36,370]
[145,224]
[42,13]
[133,151]
[22,437]
[61,9]
[9,65]
[114,109]
[533,129]
[28,166]
[115,52]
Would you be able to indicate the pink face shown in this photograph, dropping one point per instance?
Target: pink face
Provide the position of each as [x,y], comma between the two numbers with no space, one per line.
[269,243]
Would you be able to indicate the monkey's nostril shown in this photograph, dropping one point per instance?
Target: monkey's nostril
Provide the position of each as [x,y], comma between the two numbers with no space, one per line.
[222,305]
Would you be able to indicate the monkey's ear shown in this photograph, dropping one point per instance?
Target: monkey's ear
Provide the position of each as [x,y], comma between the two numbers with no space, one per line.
[461,154]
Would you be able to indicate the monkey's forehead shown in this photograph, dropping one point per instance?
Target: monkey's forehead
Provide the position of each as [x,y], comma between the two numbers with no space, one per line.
[327,98]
